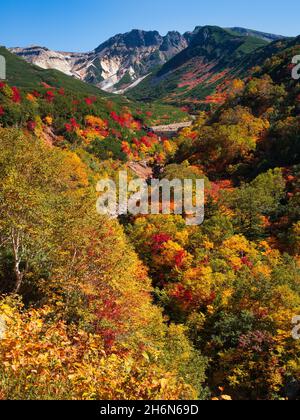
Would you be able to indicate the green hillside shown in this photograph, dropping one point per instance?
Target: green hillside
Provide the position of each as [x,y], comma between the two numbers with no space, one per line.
[27,76]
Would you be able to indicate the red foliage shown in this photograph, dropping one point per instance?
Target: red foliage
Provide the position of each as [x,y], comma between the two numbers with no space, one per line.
[219,186]
[158,241]
[114,116]
[31,125]
[90,101]
[36,94]
[126,148]
[182,294]
[109,337]
[136,142]
[211,299]
[116,133]
[16,98]
[49,96]
[125,120]
[185,109]
[46,86]
[146,141]
[179,258]
[74,123]
[68,128]
[2,112]
[247,262]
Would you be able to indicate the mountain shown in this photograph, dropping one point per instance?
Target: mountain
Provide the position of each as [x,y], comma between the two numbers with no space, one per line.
[115,64]
[212,57]
[124,60]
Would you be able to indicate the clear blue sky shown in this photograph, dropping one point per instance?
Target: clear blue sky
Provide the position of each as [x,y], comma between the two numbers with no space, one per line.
[81,25]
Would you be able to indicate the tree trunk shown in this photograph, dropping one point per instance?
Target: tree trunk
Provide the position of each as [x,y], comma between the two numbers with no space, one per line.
[16,242]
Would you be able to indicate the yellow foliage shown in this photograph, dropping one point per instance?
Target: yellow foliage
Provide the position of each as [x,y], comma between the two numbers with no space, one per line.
[199,281]
[238,246]
[48,120]
[49,360]
[93,121]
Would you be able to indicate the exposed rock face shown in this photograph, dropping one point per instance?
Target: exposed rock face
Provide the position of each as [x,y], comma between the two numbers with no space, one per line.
[121,62]
[47,59]
[126,58]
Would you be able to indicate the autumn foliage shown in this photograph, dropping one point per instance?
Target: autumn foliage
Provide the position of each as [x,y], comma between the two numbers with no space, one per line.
[147,307]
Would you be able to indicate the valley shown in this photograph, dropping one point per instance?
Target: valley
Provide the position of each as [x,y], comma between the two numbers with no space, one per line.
[146,307]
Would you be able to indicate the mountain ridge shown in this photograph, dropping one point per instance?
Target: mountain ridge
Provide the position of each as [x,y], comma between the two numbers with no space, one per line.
[121,61]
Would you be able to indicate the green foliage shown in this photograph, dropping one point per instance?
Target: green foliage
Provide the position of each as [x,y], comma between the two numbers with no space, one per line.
[256,200]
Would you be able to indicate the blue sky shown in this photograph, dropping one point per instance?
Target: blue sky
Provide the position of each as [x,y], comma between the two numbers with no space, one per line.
[74,25]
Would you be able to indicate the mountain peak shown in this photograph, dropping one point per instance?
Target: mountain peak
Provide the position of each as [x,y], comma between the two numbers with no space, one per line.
[211,34]
[136,38]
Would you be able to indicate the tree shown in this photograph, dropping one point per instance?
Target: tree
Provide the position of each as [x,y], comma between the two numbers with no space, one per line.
[252,202]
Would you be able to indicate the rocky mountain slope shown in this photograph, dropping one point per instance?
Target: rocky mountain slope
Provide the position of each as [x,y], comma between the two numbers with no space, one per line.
[48,59]
[123,61]
[115,64]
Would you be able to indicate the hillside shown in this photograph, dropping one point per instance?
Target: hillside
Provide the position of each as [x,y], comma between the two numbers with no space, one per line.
[70,113]
[207,64]
[28,76]
[267,100]
[235,280]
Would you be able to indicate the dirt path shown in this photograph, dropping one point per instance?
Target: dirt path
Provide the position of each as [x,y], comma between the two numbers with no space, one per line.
[171,128]
[141,169]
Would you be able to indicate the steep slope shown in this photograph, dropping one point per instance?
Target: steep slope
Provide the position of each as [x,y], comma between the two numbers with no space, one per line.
[125,58]
[211,57]
[267,101]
